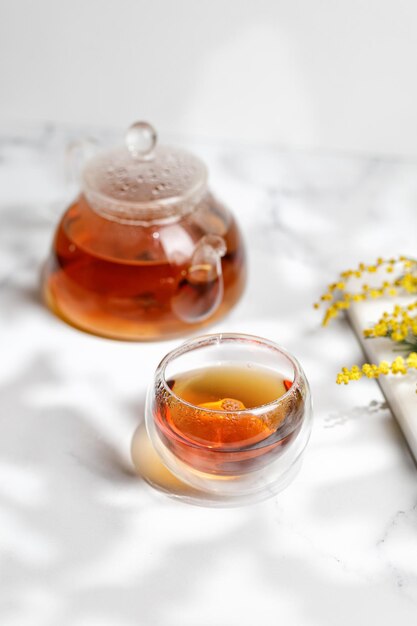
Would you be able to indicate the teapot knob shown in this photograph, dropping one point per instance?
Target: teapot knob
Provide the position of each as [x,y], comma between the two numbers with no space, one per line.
[141,140]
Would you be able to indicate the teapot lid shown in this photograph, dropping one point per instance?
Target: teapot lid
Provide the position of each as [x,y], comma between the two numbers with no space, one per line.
[143,182]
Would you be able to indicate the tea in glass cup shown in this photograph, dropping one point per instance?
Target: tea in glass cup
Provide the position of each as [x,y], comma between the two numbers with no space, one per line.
[230,415]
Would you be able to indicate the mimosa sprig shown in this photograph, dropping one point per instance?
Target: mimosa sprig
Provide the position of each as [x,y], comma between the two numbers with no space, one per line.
[399,277]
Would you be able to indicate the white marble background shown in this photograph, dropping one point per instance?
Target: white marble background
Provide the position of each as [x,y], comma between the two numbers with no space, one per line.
[85,542]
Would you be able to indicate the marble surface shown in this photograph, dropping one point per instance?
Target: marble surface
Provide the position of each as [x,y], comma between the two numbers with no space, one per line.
[83,540]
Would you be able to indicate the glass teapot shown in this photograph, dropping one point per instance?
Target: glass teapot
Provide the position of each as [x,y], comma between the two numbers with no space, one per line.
[145,251]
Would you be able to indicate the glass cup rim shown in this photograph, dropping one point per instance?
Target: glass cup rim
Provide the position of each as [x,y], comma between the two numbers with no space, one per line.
[218,338]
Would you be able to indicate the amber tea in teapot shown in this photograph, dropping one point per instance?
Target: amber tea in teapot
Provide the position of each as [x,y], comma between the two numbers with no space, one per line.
[145,251]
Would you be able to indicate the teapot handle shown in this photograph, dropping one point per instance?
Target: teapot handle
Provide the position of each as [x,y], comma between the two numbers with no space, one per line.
[77,153]
[201,289]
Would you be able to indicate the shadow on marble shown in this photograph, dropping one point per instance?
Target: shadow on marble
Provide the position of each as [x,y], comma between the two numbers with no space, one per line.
[149,466]
[20,294]
[73,524]
[359,412]
[316,590]
[384,422]
[59,514]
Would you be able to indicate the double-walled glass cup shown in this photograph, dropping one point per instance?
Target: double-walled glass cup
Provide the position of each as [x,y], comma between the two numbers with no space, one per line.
[243,468]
